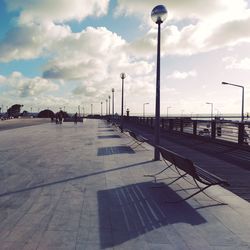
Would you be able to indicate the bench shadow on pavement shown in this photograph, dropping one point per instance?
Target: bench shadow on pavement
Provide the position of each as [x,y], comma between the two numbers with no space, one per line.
[128,212]
[108,136]
[106,130]
[115,150]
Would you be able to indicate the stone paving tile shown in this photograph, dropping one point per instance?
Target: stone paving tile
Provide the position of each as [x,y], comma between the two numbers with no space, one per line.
[77,188]
[58,240]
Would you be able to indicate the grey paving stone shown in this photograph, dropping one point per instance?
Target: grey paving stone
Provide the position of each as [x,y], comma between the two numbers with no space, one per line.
[81,187]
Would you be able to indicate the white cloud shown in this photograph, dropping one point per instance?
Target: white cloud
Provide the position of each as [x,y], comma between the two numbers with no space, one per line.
[2,79]
[182,75]
[57,11]
[89,62]
[192,39]
[180,10]
[78,56]
[192,26]
[24,87]
[31,41]
[233,63]
[81,57]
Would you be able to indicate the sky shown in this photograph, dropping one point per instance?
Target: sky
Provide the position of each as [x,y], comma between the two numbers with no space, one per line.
[62,54]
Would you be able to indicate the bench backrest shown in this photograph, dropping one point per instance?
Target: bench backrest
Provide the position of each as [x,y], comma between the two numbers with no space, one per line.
[182,163]
[132,134]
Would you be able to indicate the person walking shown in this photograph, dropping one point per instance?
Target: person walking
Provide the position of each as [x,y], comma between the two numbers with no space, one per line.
[75,118]
[60,117]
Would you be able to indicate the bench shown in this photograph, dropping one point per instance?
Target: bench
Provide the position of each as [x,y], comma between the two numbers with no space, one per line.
[119,127]
[187,167]
[138,140]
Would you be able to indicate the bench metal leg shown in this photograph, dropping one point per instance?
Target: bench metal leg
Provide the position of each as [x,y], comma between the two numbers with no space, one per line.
[201,190]
[176,179]
[181,176]
[157,173]
[190,196]
[139,144]
[210,197]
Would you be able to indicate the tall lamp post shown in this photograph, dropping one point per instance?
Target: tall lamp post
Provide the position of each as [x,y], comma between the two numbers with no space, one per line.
[123,76]
[144,108]
[101,108]
[79,112]
[113,102]
[212,109]
[242,100]
[106,106]
[158,15]
[109,105]
[91,109]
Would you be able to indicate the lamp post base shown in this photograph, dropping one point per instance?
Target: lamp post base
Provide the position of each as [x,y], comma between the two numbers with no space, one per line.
[156,155]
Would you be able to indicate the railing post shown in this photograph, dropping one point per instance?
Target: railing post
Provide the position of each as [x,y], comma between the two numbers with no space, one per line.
[171,124]
[162,123]
[181,125]
[213,129]
[151,122]
[241,128]
[195,127]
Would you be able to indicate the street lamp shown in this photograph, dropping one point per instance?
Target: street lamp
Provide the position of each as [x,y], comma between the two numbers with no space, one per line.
[106,106]
[144,108]
[79,112]
[101,108]
[212,109]
[123,76]
[113,100]
[158,15]
[168,109]
[109,105]
[242,103]
[91,109]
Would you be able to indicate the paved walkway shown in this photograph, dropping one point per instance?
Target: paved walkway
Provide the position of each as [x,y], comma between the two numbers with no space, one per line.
[228,162]
[21,122]
[82,187]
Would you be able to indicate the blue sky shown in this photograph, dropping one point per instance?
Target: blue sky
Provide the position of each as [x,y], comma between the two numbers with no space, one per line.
[55,54]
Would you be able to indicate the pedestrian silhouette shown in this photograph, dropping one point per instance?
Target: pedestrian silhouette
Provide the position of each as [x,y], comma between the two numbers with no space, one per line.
[60,117]
[75,118]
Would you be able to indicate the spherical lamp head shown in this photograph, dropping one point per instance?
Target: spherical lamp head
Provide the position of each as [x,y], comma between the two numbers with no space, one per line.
[159,14]
[123,75]
[113,90]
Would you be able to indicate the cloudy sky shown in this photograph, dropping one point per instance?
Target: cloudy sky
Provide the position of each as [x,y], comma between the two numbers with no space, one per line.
[60,53]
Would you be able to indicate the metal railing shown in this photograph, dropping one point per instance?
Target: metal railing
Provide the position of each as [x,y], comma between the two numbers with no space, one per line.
[225,130]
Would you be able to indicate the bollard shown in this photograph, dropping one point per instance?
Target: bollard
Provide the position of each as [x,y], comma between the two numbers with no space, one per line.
[241,128]
[213,128]
[219,131]
[181,125]
[195,127]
